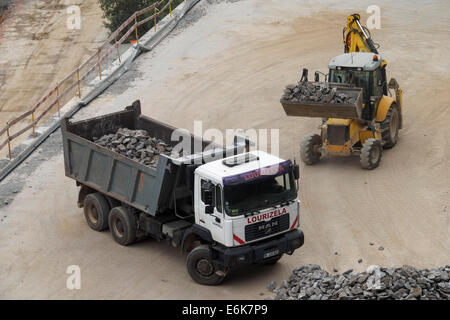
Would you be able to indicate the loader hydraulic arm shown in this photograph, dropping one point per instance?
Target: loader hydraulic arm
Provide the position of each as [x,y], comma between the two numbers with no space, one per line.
[356,37]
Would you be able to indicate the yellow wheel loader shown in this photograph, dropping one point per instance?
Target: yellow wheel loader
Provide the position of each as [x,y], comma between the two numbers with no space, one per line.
[360,115]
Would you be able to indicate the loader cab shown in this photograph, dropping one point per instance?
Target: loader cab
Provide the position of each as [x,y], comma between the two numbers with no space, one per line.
[363,70]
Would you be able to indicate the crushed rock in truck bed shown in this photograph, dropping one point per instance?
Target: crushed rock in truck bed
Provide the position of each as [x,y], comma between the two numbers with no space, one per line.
[310,282]
[136,145]
[315,92]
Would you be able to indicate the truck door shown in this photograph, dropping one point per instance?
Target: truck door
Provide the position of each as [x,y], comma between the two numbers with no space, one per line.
[210,208]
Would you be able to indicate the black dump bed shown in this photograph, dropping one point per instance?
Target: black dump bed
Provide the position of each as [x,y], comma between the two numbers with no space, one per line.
[149,189]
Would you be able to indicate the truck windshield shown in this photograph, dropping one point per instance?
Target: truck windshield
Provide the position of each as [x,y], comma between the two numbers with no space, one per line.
[248,197]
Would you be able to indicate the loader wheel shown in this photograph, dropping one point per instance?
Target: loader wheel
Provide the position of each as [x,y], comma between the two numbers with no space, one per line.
[390,127]
[309,148]
[96,210]
[201,268]
[122,225]
[371,154]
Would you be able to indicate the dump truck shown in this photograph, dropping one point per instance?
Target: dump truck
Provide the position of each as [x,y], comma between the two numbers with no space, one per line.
[361,116]
[225,207]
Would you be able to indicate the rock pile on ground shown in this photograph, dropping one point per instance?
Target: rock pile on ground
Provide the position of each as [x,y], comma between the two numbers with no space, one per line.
[310,282]
[136,145]
[315,92]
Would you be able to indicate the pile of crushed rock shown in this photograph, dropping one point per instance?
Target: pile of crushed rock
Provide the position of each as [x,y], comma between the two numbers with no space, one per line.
[315,92]
[310,282]
[136,145]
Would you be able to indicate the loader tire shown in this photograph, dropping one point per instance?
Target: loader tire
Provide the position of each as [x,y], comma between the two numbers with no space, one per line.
[96,210]
[390,127]
[308,149]
[122,224]
[201,268]
[371,153]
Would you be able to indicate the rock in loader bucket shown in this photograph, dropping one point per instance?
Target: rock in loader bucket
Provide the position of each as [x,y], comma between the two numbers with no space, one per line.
[325,106]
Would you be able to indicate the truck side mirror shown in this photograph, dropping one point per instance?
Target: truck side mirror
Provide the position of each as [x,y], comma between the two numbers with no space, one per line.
[207,193]
[209,209]
[296,171]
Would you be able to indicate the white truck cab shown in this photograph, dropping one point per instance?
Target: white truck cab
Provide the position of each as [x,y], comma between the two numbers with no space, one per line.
[246,199]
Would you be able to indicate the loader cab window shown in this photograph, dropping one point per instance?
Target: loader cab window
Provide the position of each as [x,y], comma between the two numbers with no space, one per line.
[377,83]
[359,78]
[339,76]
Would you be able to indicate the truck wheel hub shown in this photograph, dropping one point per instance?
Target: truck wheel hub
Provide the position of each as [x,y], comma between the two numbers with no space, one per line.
[205,267]
[93,214]
[118,227]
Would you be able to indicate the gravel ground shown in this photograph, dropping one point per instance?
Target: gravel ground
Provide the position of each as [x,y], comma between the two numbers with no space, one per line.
[51,147]
[228,69]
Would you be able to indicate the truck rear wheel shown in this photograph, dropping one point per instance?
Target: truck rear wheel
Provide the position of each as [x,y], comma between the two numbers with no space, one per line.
[309,149]
[96,210]
[122,225]
[371,152]
[201,268]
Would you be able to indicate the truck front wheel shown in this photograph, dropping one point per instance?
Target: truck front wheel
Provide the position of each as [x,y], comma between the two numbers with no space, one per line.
[96,210]
[122,225]
[201,268]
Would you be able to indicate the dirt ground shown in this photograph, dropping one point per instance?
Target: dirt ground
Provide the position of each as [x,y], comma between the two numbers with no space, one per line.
[228,67]
[37,50]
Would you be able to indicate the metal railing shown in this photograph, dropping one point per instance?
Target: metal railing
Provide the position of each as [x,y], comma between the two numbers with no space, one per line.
[71,84]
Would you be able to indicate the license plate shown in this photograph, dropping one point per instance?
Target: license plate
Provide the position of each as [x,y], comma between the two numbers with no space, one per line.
[272,253]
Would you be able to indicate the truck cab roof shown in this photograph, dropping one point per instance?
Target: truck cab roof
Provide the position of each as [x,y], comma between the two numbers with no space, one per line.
[238,164]
[363,60]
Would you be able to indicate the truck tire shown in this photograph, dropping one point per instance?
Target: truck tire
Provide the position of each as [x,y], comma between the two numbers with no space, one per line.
[371,153]
[308,148]
[200,267]
[390,127]
[122,225]
[96,210]
[271,261]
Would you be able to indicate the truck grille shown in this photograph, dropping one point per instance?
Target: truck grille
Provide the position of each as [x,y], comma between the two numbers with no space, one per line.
[265,228]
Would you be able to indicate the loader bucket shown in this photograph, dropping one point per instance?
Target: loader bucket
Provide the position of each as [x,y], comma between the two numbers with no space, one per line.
[321,109]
